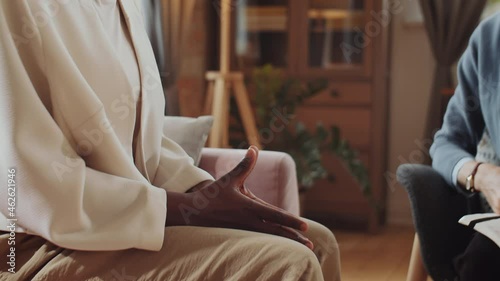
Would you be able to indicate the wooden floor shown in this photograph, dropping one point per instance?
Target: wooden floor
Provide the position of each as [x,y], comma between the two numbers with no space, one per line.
[381,257]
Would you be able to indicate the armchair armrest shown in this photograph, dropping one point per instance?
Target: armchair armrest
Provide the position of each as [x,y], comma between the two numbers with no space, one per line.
[273,179]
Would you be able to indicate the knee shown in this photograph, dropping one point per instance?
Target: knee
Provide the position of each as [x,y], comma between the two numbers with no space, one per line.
[302,264]
[325,243]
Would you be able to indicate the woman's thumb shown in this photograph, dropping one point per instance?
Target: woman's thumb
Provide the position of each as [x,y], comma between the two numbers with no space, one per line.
[239,174]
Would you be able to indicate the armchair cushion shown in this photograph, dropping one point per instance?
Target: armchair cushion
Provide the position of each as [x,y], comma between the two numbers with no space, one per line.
[273,179]
[190,133]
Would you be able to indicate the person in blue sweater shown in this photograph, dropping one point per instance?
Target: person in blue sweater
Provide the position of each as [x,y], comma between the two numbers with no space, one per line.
[471,122]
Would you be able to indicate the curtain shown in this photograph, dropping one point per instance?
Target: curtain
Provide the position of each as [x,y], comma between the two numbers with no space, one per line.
[449,24]
[187,26]
[177,32]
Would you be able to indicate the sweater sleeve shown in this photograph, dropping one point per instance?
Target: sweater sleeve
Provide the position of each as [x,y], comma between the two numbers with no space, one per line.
[463,122]
[58,197]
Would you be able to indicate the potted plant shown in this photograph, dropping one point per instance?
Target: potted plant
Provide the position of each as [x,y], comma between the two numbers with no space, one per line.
[274,93]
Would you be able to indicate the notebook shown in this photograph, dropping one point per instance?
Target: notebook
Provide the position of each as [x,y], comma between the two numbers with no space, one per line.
[486,224]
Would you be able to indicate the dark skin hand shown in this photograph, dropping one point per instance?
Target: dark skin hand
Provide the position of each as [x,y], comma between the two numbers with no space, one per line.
[227,203]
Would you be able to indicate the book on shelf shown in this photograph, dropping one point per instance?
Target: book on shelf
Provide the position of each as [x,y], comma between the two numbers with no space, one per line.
[263,25]
[335,14]
[269,18]
[277,11]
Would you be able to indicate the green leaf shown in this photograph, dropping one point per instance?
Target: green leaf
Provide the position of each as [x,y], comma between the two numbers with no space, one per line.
[307,147]
[335,131]
[321,132]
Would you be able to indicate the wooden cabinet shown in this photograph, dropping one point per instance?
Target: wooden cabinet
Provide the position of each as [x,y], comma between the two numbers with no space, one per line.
[344,42]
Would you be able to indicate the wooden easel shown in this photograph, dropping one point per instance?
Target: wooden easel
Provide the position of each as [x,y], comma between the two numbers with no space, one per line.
[219,91]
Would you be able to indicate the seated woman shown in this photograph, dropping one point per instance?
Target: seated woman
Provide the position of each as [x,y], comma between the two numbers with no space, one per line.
[472,120]
[101,195]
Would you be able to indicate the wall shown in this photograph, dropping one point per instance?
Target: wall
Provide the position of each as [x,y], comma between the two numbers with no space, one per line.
[411,78]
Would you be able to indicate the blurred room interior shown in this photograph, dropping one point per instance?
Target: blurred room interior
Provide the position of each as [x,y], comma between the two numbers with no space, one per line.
[352,88]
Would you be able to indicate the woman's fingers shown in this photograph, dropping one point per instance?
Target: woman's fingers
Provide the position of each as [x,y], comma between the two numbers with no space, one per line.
[303,227]
[259,216]
[262,226]
[236,210]
[279,230]
[277,213]
[277,216]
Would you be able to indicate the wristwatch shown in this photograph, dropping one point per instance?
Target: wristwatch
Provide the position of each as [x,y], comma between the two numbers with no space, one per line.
[469,182]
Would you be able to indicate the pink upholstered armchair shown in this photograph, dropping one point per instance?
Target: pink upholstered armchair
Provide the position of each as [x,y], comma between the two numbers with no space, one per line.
[273,180]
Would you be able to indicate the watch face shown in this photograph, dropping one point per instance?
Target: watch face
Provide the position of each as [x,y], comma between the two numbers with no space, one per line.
[468,182]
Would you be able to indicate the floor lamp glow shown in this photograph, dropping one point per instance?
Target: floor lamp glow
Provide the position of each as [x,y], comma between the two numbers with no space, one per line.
[223,83]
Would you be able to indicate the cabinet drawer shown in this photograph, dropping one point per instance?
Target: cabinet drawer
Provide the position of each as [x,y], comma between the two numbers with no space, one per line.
[340,197]
[343,93]
[354,123]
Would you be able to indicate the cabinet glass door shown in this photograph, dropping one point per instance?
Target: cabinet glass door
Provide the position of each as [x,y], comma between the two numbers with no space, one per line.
[336,34]
[261,35]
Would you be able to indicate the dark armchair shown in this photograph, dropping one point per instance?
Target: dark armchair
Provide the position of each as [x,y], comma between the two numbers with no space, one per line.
[436,209]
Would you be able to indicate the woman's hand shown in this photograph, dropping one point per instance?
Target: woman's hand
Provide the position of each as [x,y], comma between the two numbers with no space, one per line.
[488,182]
[228,203]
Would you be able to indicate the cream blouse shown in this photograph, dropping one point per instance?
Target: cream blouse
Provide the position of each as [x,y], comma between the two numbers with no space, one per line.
[71,76]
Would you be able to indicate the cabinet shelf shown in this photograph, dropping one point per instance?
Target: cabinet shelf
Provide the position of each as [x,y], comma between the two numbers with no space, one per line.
[275,19]
[267,19]
[327,20]
[335,14]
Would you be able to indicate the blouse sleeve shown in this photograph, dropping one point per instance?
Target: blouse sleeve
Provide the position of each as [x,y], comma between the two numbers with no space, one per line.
[57,196]
[177,171]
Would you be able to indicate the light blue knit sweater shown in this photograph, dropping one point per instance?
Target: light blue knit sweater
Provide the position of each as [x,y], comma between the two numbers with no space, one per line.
[475,104]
